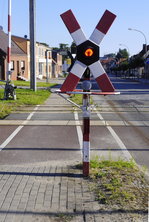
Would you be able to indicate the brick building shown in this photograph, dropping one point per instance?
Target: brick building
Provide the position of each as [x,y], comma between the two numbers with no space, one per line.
[45,58]
[19,65]
[47,61]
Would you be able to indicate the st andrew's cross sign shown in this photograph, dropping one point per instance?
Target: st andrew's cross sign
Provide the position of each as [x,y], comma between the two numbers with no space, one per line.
[87,52]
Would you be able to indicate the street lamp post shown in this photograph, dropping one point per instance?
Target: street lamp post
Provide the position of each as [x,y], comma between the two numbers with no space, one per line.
[130,29]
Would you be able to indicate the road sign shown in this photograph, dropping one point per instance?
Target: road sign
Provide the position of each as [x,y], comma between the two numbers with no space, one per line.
[147,61]
[87,52]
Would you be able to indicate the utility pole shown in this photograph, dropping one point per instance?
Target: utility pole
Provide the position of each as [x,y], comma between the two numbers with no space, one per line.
[32,45]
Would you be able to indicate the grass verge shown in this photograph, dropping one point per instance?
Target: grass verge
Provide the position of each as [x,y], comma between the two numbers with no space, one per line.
[119,183]
[24,97]
[27,83]
[77,98]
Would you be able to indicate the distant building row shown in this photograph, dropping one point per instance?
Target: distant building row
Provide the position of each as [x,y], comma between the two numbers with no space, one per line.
[138,65]
[20,59]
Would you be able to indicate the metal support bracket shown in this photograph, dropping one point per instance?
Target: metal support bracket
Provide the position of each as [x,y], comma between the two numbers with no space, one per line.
[69,100]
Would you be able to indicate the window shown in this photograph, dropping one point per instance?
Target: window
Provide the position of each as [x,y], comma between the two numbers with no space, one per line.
[40,68]
[12,65]
[22,65]
[39,52]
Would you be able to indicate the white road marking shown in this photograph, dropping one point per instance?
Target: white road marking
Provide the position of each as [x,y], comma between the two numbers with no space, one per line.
[116,137]
[79,130]
[17,130]
[111,130]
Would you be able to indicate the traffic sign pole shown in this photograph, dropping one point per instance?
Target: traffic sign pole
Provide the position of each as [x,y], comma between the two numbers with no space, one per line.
[87,59]
[86,137]
[86,123]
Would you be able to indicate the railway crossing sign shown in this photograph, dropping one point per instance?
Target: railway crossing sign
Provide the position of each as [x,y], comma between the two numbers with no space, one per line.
[87,52]
[87,59]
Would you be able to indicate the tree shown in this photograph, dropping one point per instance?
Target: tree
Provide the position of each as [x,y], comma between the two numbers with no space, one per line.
[110,55]
[136,62]
[63,46]
[124,65]
[122,53]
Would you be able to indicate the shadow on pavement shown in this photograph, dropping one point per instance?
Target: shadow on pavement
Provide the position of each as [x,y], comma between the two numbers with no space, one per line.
[73,175]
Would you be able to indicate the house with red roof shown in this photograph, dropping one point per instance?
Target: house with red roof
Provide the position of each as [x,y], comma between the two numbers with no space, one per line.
[19,65]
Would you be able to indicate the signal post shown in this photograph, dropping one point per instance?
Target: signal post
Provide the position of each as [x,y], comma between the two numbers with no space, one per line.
[86,85]
[86,61]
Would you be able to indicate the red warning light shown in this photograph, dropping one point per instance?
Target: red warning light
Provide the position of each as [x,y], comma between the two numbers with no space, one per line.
[88,52]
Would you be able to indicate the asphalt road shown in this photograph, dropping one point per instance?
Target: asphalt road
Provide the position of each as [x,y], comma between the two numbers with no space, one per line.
[51,132]
[131,107]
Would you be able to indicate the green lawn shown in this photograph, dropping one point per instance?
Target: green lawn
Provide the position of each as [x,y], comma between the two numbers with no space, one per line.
[24,97]
[27,83]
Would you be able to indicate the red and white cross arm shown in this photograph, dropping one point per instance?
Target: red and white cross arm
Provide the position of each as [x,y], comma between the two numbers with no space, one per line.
[101,77]
[74,76]
[102,27]
[78,36]
[97,36]
[84,59]
[73,27]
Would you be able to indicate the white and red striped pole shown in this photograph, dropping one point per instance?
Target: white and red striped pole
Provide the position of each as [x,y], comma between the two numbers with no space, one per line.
[86,123]
[86,134]
[9,42]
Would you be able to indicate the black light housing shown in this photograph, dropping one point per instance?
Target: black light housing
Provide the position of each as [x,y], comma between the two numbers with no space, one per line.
[87,52]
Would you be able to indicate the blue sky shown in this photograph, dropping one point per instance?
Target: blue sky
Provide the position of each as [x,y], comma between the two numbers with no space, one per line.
[51,30]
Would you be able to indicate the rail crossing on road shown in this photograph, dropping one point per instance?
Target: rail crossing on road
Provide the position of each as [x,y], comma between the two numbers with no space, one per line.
[87,58]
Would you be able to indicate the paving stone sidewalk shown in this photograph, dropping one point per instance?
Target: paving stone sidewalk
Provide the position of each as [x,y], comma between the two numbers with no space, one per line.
[45,193]
[53,194]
